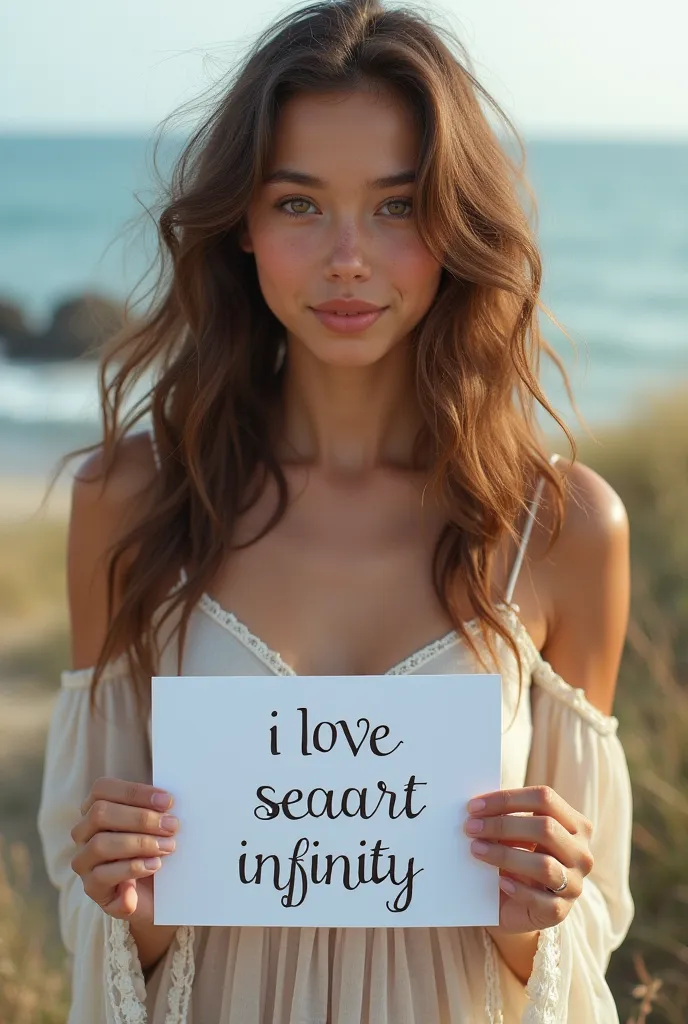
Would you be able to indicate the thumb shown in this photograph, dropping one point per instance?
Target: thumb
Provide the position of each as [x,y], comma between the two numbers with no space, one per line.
[126,900]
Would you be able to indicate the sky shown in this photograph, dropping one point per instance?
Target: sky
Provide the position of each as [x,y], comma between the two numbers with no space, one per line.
[610,68]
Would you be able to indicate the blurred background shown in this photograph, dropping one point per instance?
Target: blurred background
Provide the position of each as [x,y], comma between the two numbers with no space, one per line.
[601,99]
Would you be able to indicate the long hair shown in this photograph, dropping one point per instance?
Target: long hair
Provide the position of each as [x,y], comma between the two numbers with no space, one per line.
[211,342]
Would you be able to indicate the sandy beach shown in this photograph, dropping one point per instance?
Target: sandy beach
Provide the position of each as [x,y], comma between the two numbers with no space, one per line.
[21,497]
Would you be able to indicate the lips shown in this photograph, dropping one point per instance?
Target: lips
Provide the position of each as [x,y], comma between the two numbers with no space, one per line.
[347,317]
[347,307]
[336,312]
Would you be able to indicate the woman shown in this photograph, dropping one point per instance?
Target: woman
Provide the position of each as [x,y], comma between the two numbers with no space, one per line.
[344,453]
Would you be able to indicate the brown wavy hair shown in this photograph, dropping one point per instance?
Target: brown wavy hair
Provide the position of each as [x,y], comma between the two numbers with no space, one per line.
[211,342]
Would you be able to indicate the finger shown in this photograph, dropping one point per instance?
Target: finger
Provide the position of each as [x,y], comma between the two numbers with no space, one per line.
[126,901]
[105,816]
[543,909]
[536,867]
[101,883]
[115,846]
[134,794]
[542,831]
[128,897]
[533,800]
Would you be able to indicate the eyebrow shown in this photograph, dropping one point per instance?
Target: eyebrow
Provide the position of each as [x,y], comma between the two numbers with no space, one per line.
[287,175]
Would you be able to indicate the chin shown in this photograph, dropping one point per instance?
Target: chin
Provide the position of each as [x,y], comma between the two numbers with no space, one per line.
[349,352]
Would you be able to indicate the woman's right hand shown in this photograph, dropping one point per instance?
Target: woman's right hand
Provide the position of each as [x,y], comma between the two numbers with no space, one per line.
[123,834]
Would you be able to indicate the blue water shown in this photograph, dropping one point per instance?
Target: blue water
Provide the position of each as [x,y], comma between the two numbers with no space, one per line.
[613,228]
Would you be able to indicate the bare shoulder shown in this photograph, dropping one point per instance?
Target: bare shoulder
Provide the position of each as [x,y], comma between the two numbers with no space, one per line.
[104,508]
[595,513]
[131,473]
[589,576]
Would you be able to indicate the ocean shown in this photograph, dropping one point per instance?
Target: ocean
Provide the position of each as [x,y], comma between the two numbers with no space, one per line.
[613,229]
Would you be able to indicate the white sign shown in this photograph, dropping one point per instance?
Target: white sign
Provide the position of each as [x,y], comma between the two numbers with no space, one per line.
[326,802]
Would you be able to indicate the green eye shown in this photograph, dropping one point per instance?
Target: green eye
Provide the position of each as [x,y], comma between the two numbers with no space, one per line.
[406,207]
[284,203]
[402,208]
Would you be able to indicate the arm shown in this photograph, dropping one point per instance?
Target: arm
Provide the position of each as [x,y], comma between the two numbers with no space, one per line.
[115,833]
[587,583]
[590,573]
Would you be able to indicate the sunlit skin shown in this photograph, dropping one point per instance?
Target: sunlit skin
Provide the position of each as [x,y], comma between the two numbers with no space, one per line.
[343,579]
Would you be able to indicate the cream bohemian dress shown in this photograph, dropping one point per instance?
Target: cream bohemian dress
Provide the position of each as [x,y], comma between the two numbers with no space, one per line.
[345,976]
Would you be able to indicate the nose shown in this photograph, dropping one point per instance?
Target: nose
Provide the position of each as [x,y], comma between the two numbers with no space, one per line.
[347,260]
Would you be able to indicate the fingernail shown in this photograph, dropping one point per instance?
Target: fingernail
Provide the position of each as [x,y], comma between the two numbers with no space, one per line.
[474,825]
[161,800]
[168,823]
[476,805]
[507,886]
[166,845]
[480,848]
[152,863]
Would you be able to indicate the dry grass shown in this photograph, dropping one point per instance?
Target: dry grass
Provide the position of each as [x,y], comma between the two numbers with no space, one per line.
[648,465]
[33,986]
[31,572]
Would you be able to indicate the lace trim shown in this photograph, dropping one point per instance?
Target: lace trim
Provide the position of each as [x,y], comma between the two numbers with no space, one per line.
[543,985]
[125,986]
[426,654]
[181,977]
[275,662]
[431,650]
[81,678]
[545,677]
[229,621]
[493,991]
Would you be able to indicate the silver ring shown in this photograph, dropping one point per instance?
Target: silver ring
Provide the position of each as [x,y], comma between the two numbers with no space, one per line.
[564,883]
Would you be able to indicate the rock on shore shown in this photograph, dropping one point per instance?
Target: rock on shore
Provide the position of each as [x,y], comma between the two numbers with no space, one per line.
[78,328]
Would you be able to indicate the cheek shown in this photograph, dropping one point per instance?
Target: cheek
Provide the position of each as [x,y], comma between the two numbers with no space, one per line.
[415,271]
[283,259]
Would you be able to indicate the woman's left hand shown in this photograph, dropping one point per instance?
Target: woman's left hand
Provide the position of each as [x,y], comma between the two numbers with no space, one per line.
[538,841]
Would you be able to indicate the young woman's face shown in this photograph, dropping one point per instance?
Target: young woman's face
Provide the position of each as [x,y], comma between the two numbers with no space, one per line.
[327,225]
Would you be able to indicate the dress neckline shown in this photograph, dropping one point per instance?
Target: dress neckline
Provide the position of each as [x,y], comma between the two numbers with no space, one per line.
[276,663]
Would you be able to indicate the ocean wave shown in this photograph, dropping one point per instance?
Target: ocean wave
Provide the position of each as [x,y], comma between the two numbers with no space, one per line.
[58,393]
[50,393]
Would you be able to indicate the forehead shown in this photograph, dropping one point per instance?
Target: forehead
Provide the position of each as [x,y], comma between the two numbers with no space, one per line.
[352,136]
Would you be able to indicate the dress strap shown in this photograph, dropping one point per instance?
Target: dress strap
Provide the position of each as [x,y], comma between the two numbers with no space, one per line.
[525,536]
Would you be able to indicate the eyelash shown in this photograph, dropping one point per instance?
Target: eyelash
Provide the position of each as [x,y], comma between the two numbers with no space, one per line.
[282,204]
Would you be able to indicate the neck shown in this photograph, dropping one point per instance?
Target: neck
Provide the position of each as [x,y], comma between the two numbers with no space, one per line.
[349,420]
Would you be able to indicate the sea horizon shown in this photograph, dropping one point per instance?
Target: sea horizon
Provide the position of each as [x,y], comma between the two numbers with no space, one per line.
[613,231]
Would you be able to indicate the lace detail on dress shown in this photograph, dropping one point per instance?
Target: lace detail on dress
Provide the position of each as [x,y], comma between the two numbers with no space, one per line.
[125,986]
[545,677]
[431,650]
[543,985]
[419,658]
[493,992]
[257,646]
[181,977]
